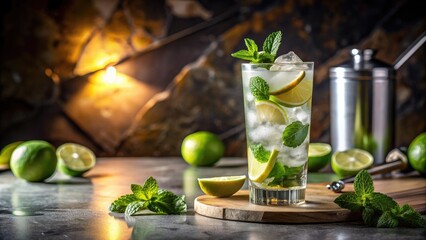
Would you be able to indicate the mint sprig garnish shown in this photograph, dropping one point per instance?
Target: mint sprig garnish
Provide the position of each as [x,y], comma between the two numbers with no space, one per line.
[151,197]
[268,53]
[295,133]
[260,153]
[259,88]
[378,209]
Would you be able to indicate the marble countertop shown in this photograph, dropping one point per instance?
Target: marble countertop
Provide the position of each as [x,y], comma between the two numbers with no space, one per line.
[77,208]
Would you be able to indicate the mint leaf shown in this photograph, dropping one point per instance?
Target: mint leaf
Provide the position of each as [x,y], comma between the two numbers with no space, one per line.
[294,134]
[387,220]
[134,207]
[251,46]
[278,173]
[370,216]
[145,192]
[363,183]
[410,218]
[121,203]
[272,43]
[259,88]
[260,153]
[149,196]
[243,54]
[381,202]
[349,201]
[168,203]
[150,188]
[270,49]
[292,172]
[265,57]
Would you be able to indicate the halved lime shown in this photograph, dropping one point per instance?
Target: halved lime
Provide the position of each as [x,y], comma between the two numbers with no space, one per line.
[350,162]
[258,171]
[285,81]
[221,186]
[75,159]
[319,155]
[268,111]
[6,153]
[296,96]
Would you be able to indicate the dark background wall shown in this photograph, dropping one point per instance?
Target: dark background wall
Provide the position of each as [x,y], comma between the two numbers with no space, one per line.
[174,70]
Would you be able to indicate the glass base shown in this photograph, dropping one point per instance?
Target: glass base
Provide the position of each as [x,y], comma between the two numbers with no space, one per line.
[277,197]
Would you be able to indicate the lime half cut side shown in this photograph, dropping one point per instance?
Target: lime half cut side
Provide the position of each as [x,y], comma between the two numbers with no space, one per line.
[74,159]
[268,111]
[221,186]
[319,156]
[259,171]
[350,162]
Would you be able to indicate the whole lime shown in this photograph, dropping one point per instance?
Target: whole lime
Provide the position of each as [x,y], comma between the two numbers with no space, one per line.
[7,151]
[417,153]
[202,148]
[33,161]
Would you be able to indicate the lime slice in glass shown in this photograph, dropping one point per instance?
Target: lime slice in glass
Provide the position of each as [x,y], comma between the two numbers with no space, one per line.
[350,162]
[74,159]
[319,156]
[259,171]
[221,186]
[268,111]
[285,81]
[296,96]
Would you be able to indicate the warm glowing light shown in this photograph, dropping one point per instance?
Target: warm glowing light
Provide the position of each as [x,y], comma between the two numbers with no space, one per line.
[111,75]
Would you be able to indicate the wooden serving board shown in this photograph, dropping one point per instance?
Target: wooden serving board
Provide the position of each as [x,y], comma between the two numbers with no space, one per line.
[319,206]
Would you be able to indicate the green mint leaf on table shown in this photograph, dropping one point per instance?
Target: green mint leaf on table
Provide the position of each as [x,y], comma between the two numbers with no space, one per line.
[134,207]
[410,218]
[260,153]
[259,88]
[387,220]
[350,201]
[363,183]
[294,134]
[167,202]
[272,43]
[121,203]
[381,202]
[370,216]
[378,209]
[149,196]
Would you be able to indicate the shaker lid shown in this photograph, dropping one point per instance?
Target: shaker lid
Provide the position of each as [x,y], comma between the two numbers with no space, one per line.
[363,66]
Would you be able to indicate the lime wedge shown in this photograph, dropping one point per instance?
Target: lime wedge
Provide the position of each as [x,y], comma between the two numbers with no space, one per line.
[296,96]
[74,159]
[285,81]
[268,111]
[259,171]
[221,186]
[350,162]
[319,156]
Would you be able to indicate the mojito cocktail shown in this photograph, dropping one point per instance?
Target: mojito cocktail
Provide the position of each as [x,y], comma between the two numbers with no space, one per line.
[277,100]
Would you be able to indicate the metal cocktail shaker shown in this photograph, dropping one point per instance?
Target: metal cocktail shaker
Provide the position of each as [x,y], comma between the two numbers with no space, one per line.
[362,97]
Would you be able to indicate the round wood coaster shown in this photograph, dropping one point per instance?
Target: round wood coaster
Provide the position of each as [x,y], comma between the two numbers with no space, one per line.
[318,208]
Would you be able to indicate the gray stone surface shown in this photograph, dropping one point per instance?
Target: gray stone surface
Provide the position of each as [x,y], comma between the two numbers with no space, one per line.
[77,208]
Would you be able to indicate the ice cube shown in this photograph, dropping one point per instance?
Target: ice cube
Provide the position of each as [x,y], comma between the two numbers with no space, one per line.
[266,134]
[289,57]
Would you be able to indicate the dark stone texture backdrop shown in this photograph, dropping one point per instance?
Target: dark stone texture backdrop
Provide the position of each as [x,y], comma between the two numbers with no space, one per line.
[176,74]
